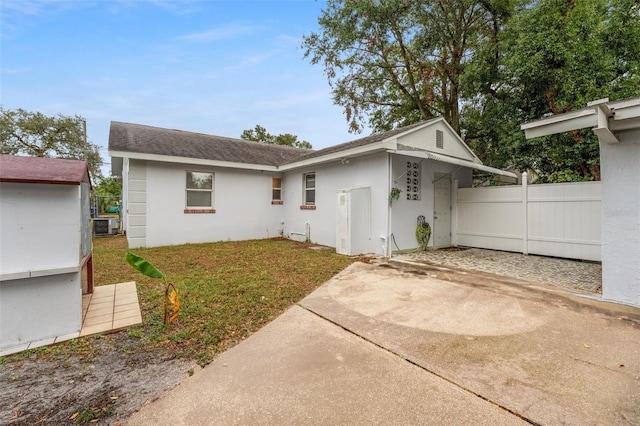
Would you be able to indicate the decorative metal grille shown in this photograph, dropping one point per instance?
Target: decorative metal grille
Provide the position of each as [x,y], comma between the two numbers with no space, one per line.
[413,181]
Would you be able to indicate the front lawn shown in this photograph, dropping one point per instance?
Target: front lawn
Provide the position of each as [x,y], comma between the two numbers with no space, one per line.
[228,290]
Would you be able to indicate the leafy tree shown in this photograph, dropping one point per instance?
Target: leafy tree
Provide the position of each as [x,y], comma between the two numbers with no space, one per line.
[400,61]
[555,56]
[503,62]
[259,134]
[108,192]
[34,134]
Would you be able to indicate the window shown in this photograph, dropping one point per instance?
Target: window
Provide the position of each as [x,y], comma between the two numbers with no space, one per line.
[276,191]
[199,190]
[309,184]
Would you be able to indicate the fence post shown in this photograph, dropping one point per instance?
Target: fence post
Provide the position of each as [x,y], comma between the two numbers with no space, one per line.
[525,214]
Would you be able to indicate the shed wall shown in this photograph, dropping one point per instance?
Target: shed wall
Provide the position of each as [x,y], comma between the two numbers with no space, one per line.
[35,309]
[40,226]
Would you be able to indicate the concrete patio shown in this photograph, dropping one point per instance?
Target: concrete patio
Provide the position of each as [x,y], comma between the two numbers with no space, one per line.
[404,342]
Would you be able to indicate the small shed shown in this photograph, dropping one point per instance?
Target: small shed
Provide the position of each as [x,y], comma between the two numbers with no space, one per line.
[45,250]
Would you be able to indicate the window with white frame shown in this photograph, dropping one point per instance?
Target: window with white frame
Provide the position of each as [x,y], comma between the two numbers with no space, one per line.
[309,184]
[199,190]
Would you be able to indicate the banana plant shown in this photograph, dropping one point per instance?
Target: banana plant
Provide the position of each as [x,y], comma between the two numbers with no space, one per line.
[171,302]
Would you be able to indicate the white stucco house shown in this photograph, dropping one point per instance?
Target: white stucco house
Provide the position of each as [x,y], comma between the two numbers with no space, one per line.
[617,125]
[45,250]
[183,187]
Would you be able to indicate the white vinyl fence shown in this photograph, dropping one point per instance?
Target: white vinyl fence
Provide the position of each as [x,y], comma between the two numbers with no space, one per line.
[560,220]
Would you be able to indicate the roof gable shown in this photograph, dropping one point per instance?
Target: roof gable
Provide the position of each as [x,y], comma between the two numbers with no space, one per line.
[43,170]
[136,138]
[438,137]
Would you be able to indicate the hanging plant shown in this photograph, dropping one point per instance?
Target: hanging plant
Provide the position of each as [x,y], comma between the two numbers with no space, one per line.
[394,195]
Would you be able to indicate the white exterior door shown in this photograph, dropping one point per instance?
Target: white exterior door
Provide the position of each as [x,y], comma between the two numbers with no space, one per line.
[441,231]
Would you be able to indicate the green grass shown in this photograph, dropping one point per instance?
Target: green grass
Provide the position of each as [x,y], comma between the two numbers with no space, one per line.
[228,290]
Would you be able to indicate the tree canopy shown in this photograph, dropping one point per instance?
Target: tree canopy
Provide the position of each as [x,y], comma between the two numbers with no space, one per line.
[556,57]
[37,135]
[259,134]
[486,66]
[396,62]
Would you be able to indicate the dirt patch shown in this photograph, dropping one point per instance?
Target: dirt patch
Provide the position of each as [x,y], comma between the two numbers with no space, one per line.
[104,386]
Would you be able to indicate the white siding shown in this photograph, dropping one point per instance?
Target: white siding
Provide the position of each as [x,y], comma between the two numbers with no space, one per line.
[136,204]
[405,212]
[425,139]
[367,171]
[241,199]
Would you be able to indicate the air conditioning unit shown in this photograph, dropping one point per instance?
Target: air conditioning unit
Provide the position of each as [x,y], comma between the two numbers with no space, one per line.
[105,225]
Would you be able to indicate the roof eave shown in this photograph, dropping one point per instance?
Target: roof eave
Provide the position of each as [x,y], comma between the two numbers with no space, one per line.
[43,181]
[189,160]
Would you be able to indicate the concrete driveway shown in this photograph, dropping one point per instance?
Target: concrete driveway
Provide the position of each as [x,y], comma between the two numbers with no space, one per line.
[406,344]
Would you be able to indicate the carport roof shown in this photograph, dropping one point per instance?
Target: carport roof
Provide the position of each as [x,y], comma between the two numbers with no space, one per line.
[457,161]
[603,116]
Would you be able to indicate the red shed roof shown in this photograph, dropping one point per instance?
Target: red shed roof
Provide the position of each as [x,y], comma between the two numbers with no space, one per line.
[43,170]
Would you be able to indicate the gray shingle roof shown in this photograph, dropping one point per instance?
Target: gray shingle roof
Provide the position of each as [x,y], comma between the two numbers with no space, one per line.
[154,140]
[367,140]
[138,138]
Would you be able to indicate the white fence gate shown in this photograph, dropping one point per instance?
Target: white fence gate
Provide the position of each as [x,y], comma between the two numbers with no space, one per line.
[560,220]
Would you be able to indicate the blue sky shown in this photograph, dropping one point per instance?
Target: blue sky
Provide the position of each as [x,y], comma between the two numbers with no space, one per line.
[216,67]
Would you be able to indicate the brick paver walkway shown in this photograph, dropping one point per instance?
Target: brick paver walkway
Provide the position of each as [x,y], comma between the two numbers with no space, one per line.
[586,276]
